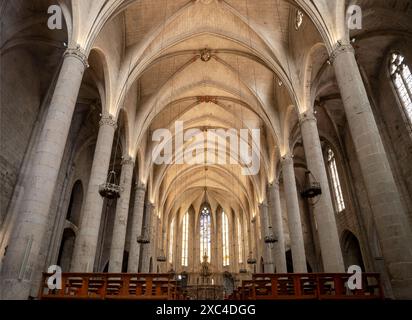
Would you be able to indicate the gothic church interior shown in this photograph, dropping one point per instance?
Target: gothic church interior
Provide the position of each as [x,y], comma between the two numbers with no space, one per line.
[326,185]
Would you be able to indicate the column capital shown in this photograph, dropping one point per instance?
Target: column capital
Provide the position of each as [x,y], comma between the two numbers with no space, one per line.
[263,205]
[273,185]
[140,186]
[77,53]
[149,205]
[287,158]
[339,48]
[127,161]
[307,116]
[107,120]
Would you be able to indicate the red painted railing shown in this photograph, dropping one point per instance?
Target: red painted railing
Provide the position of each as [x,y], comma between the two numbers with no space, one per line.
[293,286]
[105,286]
[315,286]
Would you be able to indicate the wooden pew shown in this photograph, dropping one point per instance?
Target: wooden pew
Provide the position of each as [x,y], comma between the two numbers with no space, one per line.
[106,286]
[309,286]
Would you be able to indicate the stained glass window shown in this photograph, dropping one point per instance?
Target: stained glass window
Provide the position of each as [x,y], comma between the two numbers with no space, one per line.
[337,189]
[402,79]
[171,237]
[205,233]
[185,240]
[239,241]
[225,239]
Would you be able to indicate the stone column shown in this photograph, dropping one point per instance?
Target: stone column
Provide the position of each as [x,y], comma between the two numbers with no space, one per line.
[275,210]
[120,222]
[323,207]
[251,245]
[136,230]
[147,247]
[393,230]
[86,241]
[234,262]
[24,259]
[294,221]
[264,226]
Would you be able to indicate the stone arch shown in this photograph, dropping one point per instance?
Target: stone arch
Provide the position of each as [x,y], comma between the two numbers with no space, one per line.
[66,249]
[75,204]
[351,250]
[151,265]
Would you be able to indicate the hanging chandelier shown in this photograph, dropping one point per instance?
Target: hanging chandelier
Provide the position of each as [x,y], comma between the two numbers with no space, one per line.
[270,238]
[110,189]
[251,260]
[312,187]
[144,237]
[161,257]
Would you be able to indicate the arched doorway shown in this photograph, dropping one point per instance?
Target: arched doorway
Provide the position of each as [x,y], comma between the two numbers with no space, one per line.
[262,265]
[151,265]
[75,204]
[352,254]
[289,262]
[66,249]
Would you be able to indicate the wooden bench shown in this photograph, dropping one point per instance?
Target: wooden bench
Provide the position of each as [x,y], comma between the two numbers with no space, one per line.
[106,286]
[312,286]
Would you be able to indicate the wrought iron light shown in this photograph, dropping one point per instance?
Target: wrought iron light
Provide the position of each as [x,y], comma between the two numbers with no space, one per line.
[161,257]
[312,187]
[251,260]
[270,238]
[110,189]
[143,238]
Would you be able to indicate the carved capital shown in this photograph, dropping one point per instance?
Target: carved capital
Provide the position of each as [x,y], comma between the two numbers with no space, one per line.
[107,120]
[339,48]
[127,161]
[149,205]
[287,159]
[140,186]
[77,53]
[307,116]
[274,185]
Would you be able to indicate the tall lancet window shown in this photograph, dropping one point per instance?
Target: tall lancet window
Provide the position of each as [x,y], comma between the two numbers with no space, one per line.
[205,233]
[171,238]
[185,240]
[239,241]
[225,239]
[337,189]
[402,79]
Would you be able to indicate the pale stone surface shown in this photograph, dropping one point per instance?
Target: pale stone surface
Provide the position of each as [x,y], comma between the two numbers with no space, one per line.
[136,229]
[264,225]
[294,220]
[393,229]
[21,261]
[86,242]
[150,67]
[322,205]
[275,212]
[120,223]
[147,248]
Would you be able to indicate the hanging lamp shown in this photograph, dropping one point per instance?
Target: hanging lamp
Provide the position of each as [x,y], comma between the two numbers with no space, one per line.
[161,257]
[111,189]
[143,238]
[270,238]
[312,187]
[251,259]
